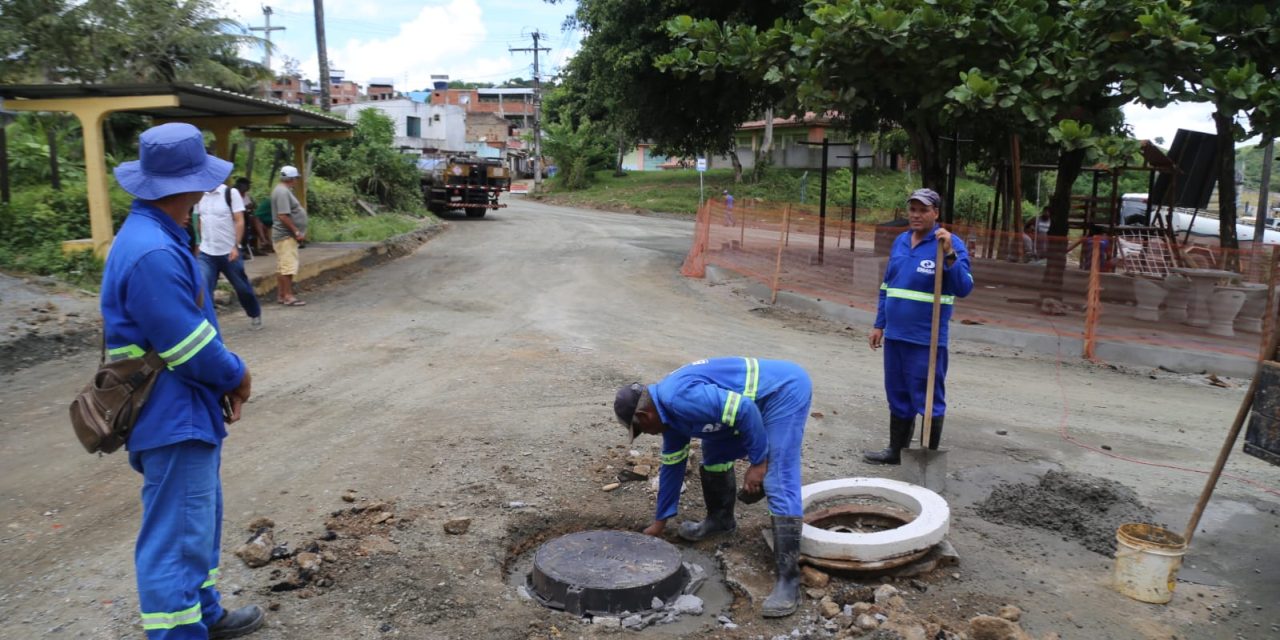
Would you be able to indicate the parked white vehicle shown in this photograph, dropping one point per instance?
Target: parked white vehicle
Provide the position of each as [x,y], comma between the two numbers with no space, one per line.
[1203,226]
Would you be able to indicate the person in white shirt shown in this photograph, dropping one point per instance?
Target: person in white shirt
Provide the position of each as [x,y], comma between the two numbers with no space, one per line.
[221,231]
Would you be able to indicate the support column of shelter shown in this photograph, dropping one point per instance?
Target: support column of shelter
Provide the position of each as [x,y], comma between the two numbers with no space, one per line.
[221,127]
[92,112]
[299,140]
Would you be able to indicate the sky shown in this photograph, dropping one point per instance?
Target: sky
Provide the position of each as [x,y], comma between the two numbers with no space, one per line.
[410,40]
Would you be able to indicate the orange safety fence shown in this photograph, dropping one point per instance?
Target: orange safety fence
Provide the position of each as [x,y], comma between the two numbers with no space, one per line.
[1144,287]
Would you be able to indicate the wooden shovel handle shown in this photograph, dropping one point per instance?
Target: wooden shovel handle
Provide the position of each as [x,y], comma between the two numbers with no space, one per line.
[927,432]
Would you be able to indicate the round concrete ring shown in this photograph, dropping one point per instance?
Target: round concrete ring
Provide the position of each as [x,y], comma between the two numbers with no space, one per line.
[932,522]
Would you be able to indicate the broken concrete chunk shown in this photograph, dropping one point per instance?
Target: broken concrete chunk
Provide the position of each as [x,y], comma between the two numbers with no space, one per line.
[607,622]
[688,604]
[457,526]
[635,622]
[828,608]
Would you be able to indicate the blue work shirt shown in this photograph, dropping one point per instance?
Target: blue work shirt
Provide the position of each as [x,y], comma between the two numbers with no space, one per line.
[718,399]
[905,308]
[152,298]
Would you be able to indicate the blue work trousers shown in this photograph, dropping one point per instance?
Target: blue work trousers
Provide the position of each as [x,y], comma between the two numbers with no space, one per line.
[784,419]
[906,376]
[211,266]
[176,556]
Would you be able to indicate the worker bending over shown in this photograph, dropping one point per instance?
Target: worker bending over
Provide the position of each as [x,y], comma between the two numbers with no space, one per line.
[741,408]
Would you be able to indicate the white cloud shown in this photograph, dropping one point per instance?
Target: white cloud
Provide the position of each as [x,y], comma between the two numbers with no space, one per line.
[1149,124]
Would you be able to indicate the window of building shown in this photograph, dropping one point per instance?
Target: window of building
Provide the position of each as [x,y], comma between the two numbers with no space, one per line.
[413,127]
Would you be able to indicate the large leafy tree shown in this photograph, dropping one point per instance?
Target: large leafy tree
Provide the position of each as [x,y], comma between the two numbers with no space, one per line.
[613,82]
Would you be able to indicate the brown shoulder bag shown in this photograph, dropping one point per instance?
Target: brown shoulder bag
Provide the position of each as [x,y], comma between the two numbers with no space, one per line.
[105,410]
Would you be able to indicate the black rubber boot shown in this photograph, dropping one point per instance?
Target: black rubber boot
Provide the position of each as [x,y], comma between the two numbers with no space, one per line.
[935,432]
[241,622]
[718,490]
[786,555]
[899,438]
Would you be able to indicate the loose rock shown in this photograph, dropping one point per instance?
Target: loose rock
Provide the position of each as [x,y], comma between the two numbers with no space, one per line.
[688,604]
[884,592]
[814,578]
[607,622]
[457,526]
[866,622]
[611,486]
[993,628]
[828,608]
[1010,613]
[257,524]
[257,551]
[307,561]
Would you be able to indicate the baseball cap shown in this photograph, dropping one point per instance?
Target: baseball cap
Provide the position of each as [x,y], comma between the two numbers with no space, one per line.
[925,196]
[625,404]
[288,171]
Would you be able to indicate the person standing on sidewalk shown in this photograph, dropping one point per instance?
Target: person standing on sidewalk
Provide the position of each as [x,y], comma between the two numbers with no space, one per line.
[904,321]
[153,299]
[288,231]
[740,408]
[221,233]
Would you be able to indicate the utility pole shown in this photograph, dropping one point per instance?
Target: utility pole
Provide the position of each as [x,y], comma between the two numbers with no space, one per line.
[323,54]
[537,110]
[266,34]
[1264,196]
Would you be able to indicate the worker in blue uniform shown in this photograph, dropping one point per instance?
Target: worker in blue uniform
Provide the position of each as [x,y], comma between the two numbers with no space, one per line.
[904,318]
[153,299]
[740,408]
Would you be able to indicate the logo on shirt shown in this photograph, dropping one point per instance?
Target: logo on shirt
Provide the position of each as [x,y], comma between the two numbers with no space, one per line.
[711,428]
[926,266]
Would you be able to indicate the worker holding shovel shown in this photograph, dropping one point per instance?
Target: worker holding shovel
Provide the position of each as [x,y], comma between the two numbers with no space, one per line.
[911,322]
[740,408]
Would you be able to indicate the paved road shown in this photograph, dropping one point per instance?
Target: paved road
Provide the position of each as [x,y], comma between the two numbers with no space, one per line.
[480,371]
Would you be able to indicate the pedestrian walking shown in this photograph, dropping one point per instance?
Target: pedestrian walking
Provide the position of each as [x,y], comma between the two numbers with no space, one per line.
[740,408]
[222,226]
[252,232]
[904,319]
[153,299]
[728,208]
[287,233]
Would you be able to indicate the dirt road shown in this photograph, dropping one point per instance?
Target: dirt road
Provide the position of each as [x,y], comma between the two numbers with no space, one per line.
[475,379]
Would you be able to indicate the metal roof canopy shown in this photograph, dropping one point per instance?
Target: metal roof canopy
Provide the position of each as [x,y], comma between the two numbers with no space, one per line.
[215,110]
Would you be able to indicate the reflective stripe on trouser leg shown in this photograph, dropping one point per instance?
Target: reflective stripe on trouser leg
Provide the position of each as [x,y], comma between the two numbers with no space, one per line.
[176,543]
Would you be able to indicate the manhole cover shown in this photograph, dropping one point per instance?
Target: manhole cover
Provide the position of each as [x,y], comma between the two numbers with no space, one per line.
[606,572]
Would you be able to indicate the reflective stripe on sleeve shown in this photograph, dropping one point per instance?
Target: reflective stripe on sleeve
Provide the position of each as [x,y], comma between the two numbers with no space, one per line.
[153,621]
[676,457]
[918,296]
[719,468]
[730,413]
[752,385]
[191,345]
[127,351]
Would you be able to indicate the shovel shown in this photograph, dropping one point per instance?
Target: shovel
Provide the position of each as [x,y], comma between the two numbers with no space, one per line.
[923,466]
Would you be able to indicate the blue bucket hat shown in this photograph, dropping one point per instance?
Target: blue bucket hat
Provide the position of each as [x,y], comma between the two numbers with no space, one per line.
[171,159]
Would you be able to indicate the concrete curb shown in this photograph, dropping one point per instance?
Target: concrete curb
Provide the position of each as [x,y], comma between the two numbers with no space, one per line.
[339,266]
[1139,355]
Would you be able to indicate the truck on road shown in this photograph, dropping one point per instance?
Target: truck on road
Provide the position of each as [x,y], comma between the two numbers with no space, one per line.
[463,182]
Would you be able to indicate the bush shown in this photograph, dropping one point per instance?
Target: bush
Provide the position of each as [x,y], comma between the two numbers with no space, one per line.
[327,199]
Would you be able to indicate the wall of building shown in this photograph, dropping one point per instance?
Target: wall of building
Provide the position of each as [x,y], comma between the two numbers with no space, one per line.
[439,126]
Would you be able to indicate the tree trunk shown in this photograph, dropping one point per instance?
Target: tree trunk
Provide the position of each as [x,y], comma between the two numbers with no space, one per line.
[737,163]
[51,136]
[1264,195]
[323,54]
[1069,165]
[924,146]
[764,153]
[622,151]
[1227,191]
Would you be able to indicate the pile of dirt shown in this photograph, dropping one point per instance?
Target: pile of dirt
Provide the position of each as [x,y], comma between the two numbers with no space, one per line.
[1079,506]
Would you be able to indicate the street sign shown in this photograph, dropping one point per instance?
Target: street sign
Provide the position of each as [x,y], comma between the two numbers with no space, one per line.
[702,164]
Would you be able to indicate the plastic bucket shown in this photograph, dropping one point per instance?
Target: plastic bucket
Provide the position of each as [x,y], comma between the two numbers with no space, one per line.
[1147,562]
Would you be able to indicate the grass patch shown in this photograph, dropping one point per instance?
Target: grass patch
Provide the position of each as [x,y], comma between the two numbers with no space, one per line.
[361,228]
[676,191]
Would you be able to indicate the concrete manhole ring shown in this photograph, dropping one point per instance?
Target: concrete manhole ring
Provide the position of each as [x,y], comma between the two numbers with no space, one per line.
[849,518]
[931,522]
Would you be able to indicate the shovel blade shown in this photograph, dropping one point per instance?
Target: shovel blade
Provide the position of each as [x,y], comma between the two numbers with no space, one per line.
[926,468]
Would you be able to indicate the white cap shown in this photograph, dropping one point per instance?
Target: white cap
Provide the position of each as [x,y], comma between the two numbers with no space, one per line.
[288,171]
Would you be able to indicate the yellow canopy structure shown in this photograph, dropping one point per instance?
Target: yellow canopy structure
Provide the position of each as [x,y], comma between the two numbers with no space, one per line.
[213,110]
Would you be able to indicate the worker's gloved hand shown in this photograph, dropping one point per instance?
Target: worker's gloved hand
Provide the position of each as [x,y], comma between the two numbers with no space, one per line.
[656,528]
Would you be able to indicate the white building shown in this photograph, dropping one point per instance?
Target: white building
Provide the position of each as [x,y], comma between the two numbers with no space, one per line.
[418,125]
